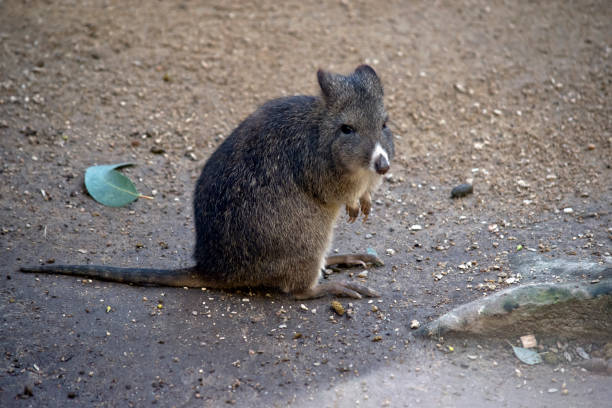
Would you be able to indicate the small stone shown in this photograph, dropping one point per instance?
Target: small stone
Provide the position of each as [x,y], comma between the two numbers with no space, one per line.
[460,88]
[362,274]
[522,183]
[580,351]
[550,358]
[568,210]
[596,365]
[390,251]
[416,227]
[552,390]
[591,146]
[415,324]
[462,190]
[368,236]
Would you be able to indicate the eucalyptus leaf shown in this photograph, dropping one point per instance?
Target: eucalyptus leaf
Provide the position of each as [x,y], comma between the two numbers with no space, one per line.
[527,356]
[109,187]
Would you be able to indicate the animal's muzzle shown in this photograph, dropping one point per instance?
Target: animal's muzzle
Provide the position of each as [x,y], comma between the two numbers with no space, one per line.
[381,165]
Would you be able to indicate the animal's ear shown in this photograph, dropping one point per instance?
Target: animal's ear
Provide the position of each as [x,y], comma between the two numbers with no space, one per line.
[366,70]
[367,73]
[328,82]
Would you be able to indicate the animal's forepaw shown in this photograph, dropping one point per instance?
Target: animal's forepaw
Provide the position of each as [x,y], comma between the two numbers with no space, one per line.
[353,213]
[366,206]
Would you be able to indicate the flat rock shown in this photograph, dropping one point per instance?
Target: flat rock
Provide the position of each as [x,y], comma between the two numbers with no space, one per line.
[574,309]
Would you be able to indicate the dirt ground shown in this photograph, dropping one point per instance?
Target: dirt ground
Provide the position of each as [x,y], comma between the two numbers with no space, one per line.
[514,95]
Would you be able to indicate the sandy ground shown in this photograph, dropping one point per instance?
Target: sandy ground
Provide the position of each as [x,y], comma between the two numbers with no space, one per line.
[514,95]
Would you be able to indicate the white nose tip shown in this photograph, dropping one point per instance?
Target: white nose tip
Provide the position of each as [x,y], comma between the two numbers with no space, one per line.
[380,160]
[381,165]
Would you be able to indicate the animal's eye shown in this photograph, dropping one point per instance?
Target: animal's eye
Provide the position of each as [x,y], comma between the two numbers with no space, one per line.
[346,129]
[385,125]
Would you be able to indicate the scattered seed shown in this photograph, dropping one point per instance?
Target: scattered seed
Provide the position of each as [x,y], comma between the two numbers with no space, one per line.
[337,307]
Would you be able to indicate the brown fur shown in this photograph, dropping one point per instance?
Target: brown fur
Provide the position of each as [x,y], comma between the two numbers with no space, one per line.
[267,199]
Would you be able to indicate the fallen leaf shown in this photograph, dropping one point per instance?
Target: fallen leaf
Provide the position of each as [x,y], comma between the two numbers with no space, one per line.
[109,187]
[527,356]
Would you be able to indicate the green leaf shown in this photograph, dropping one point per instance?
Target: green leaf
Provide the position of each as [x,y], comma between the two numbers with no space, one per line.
[519,247]
[527,356]
[109,187]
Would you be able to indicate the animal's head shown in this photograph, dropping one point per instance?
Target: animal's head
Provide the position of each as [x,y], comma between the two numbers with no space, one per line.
[355,122]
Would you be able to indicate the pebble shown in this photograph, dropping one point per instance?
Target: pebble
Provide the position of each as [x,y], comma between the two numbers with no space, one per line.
[568,210]
[580,351]
[362,274]
[416,227]
[460,88]
[415,324]
[522,183]
[390,251]
[462,190]
[550,358]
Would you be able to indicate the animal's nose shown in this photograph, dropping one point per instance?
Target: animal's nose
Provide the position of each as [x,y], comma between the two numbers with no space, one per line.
[381,164]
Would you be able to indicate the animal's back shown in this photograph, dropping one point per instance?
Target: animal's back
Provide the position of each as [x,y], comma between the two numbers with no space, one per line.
[251,210]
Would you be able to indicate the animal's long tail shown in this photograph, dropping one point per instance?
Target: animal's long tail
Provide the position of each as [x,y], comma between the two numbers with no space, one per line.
[139,276]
